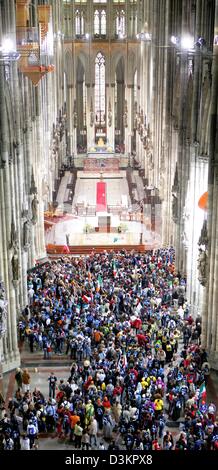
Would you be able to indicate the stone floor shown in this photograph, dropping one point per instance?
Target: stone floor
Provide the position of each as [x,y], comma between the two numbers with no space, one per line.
[40,370]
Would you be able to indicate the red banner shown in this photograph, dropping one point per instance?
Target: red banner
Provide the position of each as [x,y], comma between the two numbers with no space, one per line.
[101,201]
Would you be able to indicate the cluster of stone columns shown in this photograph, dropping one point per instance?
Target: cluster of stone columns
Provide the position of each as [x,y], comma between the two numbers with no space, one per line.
[28,171]
[182,113]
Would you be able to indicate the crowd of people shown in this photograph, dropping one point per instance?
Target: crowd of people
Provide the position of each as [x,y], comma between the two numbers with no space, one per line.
[137,364]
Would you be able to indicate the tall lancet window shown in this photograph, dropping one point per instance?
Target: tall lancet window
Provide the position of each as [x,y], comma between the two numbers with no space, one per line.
[103,22]
[121,23]
[100,23]
[79,22]
[100,89]
[97,22]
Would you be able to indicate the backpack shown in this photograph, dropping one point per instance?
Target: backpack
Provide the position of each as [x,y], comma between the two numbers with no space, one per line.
[32,431]
[8,445]
[99,411]
[15,434]
[106,420]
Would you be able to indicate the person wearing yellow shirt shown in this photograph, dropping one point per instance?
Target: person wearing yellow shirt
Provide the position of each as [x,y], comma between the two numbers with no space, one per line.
[158,406]
[78,432]
[144,383]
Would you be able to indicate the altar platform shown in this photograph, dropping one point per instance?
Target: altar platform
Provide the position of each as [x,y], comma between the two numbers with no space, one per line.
[101,150]
[100,153]
[104,175]
[101,163]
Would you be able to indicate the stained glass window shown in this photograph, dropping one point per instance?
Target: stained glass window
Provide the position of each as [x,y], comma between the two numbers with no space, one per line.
[120,23]
[97,22]
[79,22]
[100,89]
[100,22]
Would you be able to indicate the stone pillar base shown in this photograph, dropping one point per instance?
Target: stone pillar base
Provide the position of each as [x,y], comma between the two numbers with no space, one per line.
[213,360]
[11,363]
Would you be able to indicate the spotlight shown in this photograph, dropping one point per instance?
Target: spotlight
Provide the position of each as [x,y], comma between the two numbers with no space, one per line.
[187,42]
[7,46]
[174,40]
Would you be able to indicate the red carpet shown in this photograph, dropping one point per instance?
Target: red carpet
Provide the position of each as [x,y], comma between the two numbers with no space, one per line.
[101,202]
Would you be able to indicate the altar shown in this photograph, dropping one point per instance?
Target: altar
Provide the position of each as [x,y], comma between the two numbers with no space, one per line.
[100,150]
[101,158]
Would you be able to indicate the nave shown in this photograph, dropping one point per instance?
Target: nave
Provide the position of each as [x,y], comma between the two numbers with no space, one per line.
[111,359]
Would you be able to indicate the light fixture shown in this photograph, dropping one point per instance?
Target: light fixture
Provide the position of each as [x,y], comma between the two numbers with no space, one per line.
[87,35]
[174,40]
[187,42]
[8,51]
[201,42]
[59,35]
[144,36]
[7,46]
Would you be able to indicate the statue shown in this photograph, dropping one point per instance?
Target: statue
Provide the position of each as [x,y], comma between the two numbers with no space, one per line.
[125,116]
[109,114]
[15,265]
[125,122]
[3,310]
[92,116]
[150,160]
[202,267]
[75,122]
[13,240]
[109,118]
[92,119]
[175,208]
[203,239]
[175,187]
[26,234]
[186,217]
[100,142]
[34,207]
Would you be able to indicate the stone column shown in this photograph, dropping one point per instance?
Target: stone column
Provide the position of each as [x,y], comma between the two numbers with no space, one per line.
[70,116]
[110,115]
[209,310]
[79,105]
[90,115]
[129,129]
[120,110]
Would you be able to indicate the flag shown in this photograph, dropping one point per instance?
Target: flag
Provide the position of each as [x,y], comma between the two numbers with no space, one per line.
[202,392]
[122,362]
[86,299]
[99,283]
[66,249]
[114,269]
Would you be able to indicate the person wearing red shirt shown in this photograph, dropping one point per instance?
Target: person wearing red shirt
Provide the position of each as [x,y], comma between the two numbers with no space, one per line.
[106,403]
[117,390]
[141,339]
